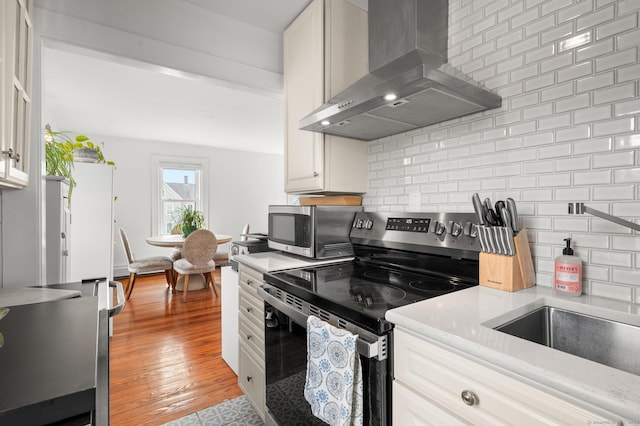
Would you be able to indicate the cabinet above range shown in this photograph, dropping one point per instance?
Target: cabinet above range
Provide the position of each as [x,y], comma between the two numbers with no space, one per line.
[325,50]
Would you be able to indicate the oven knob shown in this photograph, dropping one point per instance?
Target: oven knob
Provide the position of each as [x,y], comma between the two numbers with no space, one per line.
[439,228]
[470,230]
[368,224]
[455,228]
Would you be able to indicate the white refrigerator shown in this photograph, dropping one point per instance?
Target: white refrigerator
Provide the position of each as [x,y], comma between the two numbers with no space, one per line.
[89,235]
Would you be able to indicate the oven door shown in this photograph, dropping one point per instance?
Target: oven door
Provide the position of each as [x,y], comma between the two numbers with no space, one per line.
[291,229]
[286,366]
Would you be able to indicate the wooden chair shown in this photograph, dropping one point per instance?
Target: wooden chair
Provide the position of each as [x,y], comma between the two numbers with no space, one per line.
[197,258]
[146,264]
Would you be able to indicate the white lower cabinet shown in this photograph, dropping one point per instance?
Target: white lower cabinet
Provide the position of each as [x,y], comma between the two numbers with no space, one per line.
[434,386]
[251,368]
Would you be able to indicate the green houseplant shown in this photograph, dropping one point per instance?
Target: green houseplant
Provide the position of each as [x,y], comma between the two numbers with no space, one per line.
[190,219]
[60,151]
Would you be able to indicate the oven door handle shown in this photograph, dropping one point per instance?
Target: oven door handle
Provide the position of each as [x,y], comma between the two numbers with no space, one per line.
[376,349]
[297,316]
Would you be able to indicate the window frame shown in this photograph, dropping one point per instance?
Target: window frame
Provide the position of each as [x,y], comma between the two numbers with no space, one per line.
[160,162]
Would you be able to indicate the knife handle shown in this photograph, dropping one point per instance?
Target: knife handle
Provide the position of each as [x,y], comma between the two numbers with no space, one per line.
[477,206]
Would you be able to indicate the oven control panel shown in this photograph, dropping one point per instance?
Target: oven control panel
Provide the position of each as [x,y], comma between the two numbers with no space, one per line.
[438,233]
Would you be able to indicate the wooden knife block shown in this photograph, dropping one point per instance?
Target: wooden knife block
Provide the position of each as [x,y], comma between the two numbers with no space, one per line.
[509,273]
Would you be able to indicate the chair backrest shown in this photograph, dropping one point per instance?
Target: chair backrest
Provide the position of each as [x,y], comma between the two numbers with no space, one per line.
[245,233]
[200,247]
[125,245]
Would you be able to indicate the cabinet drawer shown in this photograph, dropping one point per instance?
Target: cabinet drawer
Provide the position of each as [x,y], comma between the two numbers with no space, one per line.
[253,337]
[251,379]
[251,309]
[440,376]
[247,273]
[250,285]
[411,409]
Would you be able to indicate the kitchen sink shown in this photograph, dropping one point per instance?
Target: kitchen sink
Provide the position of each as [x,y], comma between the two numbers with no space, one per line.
[601,340]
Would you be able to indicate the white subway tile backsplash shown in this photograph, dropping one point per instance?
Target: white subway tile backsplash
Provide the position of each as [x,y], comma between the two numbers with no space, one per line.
[580,9]
[595,18]
[617,60]
[611,193]
[592,146]
[573,133]
[630,175]
[596,82]
[627,6]
[574,163]
[571,194]
[618,26]
[522,182]
[601,177]
[615,93]
[537,195]
[575,71]
[627,142]
[614,126]
[540,82]
[617,159]
[568,72]
[538,139]
[626,108]
[629,39]
[555,122]
[611,258]
[557,92]
[592,114]
[562,179]
[602,48]
[538,111]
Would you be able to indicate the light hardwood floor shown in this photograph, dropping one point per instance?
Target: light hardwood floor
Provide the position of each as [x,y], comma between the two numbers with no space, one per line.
[166,355]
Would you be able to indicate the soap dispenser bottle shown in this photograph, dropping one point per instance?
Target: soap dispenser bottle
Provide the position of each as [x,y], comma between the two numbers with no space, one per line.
[567,278]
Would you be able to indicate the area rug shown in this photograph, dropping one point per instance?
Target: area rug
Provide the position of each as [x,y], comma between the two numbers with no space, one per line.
[233,412]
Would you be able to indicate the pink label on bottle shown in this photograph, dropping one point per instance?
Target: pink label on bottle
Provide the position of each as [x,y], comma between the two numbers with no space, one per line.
[568,277]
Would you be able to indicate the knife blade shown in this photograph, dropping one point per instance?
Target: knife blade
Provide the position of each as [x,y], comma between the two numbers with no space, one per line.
[513,211]
[477,206]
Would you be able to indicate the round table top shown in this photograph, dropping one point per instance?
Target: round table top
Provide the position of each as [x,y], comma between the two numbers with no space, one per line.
[177,240]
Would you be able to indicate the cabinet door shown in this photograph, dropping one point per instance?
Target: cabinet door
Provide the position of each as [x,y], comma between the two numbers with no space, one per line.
[18,42]
[304,92]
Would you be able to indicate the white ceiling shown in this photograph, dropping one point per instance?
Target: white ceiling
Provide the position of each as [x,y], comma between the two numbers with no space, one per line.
[94,95]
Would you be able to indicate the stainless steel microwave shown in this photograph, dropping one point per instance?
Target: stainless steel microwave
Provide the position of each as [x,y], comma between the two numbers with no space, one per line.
[319,232]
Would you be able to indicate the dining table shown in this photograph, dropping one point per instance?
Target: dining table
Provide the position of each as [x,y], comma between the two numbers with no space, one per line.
[196,281]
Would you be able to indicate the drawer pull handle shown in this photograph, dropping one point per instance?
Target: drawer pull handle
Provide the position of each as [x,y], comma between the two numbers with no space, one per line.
[469,398]
[249,337]
[249,282]
[249,309]
[249,378]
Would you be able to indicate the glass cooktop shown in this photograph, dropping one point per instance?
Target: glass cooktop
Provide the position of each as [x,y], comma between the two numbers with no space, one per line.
[362,293]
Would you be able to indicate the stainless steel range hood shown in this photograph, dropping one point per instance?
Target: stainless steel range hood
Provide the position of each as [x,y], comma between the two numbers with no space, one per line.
[407,59]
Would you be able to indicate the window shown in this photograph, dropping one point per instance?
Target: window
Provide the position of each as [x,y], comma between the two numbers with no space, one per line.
[177,183]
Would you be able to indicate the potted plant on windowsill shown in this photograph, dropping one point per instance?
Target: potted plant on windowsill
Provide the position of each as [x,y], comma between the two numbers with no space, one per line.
[190,219]
[61,150]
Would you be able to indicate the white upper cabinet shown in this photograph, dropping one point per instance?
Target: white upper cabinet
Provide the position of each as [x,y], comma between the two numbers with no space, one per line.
[15,92]
[325,50]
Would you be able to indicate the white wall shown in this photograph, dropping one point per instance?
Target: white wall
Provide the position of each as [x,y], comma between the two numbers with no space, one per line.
[240,187]
[84,25]
[568,131]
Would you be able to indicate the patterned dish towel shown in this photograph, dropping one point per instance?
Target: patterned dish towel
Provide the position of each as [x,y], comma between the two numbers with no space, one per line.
[333,385]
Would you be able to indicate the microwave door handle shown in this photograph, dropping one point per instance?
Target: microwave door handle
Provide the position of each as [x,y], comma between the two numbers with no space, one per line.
[364,348]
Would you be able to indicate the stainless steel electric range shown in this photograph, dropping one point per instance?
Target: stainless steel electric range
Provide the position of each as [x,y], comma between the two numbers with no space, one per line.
[401,258]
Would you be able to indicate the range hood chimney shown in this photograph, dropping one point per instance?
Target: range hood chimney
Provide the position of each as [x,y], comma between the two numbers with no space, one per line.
[410,84]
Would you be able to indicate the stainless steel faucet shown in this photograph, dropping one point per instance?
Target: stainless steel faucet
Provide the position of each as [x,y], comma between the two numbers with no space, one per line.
[580,208]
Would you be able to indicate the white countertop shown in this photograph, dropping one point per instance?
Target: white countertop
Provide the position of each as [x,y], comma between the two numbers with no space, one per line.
[271,261]
[463,321]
